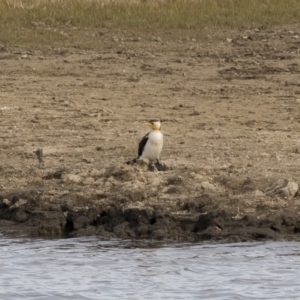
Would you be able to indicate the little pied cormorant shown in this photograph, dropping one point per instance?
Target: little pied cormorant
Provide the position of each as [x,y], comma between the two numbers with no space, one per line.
[151,144]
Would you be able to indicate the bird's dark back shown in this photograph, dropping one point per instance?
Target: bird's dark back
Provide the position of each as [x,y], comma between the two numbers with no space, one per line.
[142,144]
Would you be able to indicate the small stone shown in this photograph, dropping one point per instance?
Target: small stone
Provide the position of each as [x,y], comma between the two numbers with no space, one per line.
[18,204]
[156,39]
[283,188]
[88,180]
[199,177]
[154,181]
[195,113]
[73,178]
[53,192]
[193,174]
[290,190]
[205,185]
[6,202]
[96,173]
[81,222]
[258,193]
[158,234]
[88,160]
[20,216]
[143,229]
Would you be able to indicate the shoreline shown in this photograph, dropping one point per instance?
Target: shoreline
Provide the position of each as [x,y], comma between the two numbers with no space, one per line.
[230,105]
[206,217]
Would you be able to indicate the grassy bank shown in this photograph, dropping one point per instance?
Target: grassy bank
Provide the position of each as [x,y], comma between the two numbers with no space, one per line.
[146,14]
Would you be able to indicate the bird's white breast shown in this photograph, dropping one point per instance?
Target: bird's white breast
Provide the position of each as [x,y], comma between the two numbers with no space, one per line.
[154,145]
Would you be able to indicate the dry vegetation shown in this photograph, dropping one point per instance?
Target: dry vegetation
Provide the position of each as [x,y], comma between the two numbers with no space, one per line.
[17,16]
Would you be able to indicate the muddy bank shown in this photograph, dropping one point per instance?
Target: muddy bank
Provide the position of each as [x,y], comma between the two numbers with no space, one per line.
[230,103]
[130,202]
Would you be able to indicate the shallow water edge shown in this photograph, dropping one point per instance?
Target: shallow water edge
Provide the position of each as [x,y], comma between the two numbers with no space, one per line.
[90,268]
[204,221]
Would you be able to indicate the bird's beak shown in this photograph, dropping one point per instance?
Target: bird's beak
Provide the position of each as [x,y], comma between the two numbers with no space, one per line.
[149,124]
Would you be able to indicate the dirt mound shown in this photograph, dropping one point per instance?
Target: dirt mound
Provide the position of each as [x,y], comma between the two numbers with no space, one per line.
[131,202]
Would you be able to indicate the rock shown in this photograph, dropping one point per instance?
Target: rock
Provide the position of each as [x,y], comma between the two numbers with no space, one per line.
[81,222]
[87,231]
[142,229]
[290,190]
[18,204]
[156,39]
[103,233]
[283,188]
[172,190]
[205,185]
[72,178]
[143,164]
[121,172]
[96,173]
[155,181]
[88,180]
[46,223]
[88,160]
[83,196]
[20,216]
[6,202]
[159,234]
[25,56]
[175,180]
[123,231]
[258,193]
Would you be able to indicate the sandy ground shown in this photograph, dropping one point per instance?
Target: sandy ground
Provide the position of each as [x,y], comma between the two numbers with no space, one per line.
[229,101]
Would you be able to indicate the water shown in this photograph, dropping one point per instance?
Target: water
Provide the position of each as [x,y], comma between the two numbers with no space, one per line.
[89,268]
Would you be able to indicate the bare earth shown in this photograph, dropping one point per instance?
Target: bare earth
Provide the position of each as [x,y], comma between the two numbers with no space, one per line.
[230,105]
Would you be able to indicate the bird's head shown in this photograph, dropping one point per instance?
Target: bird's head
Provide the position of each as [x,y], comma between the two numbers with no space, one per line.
[154,124]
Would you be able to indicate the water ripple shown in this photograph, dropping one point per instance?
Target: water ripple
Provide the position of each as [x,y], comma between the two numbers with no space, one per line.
[89,268]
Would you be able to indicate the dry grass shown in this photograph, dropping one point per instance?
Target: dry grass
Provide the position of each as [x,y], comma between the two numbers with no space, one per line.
[141,14]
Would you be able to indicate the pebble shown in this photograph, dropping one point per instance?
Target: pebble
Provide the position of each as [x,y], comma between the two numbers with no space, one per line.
[6,202]
[88,180]
[205,185]
[18,204]
[88,160]
[284,188]
[96,173]
[258,193]
[290,190]
[73,178]
[156,39]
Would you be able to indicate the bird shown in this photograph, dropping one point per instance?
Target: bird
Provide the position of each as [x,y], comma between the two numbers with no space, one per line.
[151,144]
